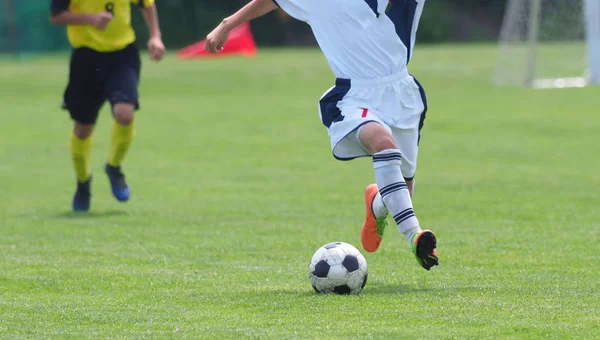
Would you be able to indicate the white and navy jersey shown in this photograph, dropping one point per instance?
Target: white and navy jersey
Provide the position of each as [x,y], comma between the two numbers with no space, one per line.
[359,39]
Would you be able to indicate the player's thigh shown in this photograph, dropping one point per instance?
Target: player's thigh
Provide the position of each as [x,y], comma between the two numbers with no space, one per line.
[408,144]
[122,87]
[376,138]
[346,111]
[123,84]
[359,133]
[83,97]
[407,130]
[83,103]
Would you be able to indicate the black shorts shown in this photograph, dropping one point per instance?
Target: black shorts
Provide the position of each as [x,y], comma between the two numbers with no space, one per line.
[96,77]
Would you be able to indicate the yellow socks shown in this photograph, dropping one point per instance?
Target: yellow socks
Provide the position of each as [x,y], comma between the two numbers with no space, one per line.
[81,149]
[122,136]
[80,154]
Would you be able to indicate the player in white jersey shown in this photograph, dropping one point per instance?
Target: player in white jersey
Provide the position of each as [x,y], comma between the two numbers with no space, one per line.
[375,109]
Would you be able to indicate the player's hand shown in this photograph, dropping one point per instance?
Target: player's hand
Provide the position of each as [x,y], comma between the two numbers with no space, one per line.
[156,49]
[217,38]
[101,20]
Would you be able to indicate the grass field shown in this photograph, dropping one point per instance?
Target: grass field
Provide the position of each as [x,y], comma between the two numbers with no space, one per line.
[234,188]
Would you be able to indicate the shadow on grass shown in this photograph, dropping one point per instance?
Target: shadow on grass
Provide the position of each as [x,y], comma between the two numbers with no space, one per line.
[397,289]
[374,289]
[392,289]
[89,214]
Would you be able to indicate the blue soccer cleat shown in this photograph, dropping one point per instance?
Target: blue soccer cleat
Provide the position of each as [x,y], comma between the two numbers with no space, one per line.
[83,196]
[117,183]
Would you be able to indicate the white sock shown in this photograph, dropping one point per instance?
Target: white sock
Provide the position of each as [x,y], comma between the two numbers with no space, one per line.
[394,192]
[378,207]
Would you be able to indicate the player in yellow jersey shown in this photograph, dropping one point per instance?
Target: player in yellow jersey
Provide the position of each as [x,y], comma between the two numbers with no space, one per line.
[105,66]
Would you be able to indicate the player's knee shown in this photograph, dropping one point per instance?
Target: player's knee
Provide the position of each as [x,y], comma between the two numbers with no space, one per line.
[376,138]
[123,113]
[83,131]
[380,143]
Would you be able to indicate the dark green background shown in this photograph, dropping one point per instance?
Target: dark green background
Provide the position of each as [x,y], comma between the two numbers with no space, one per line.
[24,25]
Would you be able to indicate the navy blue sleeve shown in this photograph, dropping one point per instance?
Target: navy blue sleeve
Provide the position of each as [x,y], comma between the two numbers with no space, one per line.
[59,6]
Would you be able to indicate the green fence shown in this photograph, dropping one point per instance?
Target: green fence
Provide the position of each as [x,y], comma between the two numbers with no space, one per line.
[25,28]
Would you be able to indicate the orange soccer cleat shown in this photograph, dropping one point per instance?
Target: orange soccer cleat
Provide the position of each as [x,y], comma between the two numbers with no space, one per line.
[373,228]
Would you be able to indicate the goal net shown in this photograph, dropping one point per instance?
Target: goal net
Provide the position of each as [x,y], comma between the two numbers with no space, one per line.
[550,44]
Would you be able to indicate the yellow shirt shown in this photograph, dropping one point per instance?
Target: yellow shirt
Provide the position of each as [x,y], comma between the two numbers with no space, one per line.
[118,34]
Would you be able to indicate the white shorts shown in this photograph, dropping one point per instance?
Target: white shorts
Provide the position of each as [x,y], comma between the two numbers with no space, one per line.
[397,102]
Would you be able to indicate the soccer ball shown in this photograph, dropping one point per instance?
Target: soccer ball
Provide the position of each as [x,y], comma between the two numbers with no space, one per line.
[339,268]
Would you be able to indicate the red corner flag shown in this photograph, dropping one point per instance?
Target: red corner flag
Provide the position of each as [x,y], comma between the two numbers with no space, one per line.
[240,41]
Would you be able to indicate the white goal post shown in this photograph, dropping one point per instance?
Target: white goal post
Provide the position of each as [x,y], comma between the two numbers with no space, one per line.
[550,44]
[592,19]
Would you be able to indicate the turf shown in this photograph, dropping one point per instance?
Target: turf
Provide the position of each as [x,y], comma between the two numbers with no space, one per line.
[234,188]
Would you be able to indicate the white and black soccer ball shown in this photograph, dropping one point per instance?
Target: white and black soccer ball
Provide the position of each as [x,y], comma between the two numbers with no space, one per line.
[339,268]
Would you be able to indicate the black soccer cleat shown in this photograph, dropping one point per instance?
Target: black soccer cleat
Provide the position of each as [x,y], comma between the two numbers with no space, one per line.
[117,183]
[83,196]
[424,248]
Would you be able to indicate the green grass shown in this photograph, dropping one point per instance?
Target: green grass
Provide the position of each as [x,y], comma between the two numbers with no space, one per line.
[234,188]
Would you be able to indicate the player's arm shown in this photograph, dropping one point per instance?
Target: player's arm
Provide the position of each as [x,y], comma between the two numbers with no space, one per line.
[60,16]
[155,43]
[256,8]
